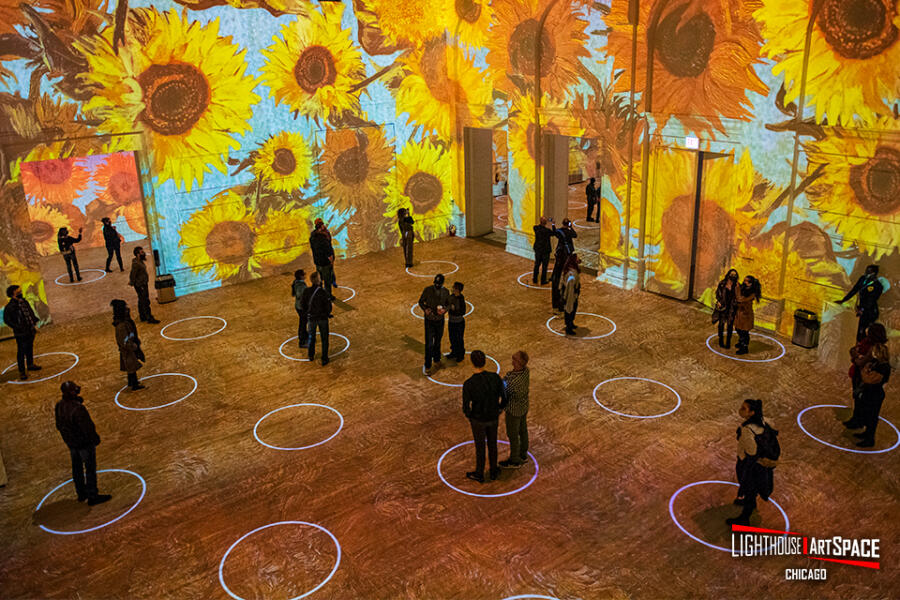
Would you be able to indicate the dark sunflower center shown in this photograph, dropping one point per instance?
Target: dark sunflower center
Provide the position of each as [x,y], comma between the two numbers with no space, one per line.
[284,162]
[315,68]
[230,242]
[876,183]
[351,166]
[435,74]
[684,48]
[175,97]
[424,190]
[41,231]
[716,233]
[52,172]
[123,188]
[521,49]
[468,10]
[858,29]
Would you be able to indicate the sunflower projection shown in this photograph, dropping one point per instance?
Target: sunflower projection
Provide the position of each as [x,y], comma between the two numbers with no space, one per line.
[421,184]
[353,168]
[284,163]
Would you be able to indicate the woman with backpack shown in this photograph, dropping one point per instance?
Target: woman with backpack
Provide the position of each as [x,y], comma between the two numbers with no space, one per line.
[757,454]
[744,297]
[873,375]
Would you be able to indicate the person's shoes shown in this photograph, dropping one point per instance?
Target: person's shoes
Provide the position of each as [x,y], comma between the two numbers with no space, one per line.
[99,499]
[475,476]
[79,279]
[153,320]
[851,424]
[534,281]
[306,345]
[721,342]
[138,386]
[34,368]
[460,359]
[739,501]
[865,443]
[728,345]
[742,350]
[511,464]
[448,355]
[570,331]
[495,475]
[82,498]
[544,282]
[861,435]
[23,375]
[504,463]
[121,270]
[738,521]
[108,270]
[524,458]
[325,361]
[332,299]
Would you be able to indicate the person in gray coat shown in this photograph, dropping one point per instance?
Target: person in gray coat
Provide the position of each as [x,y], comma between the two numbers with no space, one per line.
[131,356]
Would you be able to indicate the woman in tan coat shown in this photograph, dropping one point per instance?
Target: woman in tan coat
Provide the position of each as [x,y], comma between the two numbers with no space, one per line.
[747,293]
[130,354]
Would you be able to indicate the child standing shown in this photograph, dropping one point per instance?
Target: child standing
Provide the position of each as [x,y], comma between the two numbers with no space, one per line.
[297,291]
[456,323]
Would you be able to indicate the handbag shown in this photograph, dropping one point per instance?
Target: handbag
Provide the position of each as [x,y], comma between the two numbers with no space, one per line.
[870,376]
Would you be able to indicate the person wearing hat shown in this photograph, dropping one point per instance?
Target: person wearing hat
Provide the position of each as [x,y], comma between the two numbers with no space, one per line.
[434,301]
[78,432]
[139,279]
[130,354]
[20,317]
[66,245]
[323,255]
[113,242]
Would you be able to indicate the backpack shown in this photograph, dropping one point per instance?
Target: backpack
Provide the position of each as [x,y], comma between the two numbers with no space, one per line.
[768,450]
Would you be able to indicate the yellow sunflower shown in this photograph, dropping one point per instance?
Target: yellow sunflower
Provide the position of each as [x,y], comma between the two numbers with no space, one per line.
[57,181]
[421,183]
[410,23]
[554,120]
[610,229]
[859,191]
[511,45]
[853,60]
[180,83]
[704,53]
[439,75]
[46,219]
[608,126]
[220,237]
[314,67]
[354,168]
[282,237]
[284,161]
[14,272]
[470,20]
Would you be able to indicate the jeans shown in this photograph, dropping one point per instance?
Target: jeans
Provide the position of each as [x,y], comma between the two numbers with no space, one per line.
[434,331]
[109,255]
[72,261]
[24,351]
[457,331]
[143,294]
[326,273]
[322,324]
[407,243]
[84,471]
[484,432]
[541,262]
[302,328]
[517,433]
[743,338]
[722,332]
[591,204]
[869,407]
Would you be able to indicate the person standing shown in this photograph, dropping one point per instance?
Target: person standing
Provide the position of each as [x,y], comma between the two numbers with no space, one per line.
[139,279]
[748,292]
[483,400]
[541,246]
[130,354]
[113,244]
[78,432]
[434,301]
[317,304]
[66,244]
[323,256]
[407,235]
[517,383]
[726,307]
[757,441]
[565,245]
[456,323]
[591,192]
[860,356]
[570,290]
[297,289]
[869,287]
[20,317]
[873,376]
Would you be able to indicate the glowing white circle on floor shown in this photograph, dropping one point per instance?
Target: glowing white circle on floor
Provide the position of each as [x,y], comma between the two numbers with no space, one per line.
[502,218]
[412,310]
[194,389]
[621,414]
[768,337]
[162,331]
[577,204]
[424,372]
[334,569]
[256,427]
[133,506]
[446,262]
[821,441]
[587,337]
[461,491]
[575,224]
[330,333]
[787,523]
[346,287]
[27,381]
[527,596]
[101,271]
[528,285]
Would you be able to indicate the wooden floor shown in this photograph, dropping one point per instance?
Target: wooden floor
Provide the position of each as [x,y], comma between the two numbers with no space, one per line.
[594,523]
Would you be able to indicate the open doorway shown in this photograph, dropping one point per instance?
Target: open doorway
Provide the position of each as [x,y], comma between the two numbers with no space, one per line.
[500,190]
[478,150]
[77,194]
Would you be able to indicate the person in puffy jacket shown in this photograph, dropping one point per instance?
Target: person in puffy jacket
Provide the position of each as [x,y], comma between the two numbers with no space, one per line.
[78,432]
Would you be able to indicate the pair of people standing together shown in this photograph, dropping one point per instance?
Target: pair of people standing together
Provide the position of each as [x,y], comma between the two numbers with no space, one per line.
[734,309]
[435,302]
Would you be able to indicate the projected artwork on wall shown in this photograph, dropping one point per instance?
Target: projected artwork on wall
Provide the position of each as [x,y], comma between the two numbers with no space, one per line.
[252,119]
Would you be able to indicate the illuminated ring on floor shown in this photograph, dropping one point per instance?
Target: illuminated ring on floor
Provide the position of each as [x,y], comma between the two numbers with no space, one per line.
[589,337]
[256,435]
[194,389]
[575,224]
[787,523]
[528,596]
[510,493]
[425,373]
[334,569]
[503,218]
[347,287]
[27,381]
[783,350]
[412,310]
[133,506]
[528,285]
[101,271]
[446,262]
[621,414]
[162,331]
[330,333]
[821,441]
[577,204]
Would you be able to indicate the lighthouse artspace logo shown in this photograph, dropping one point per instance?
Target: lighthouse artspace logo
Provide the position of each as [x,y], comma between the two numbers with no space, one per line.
[755,541]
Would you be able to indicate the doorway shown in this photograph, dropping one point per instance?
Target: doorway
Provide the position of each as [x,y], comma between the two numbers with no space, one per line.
[478,150]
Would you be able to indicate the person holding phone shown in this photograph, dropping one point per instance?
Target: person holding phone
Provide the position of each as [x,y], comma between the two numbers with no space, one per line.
[66,244]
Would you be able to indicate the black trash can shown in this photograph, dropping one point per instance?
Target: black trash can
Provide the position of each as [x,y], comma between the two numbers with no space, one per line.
[806,329]
[165,288]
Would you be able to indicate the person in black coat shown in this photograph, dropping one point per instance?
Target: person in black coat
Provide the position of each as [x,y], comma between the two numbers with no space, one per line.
[434,301]
[78,432]
[113,244]
[323,256]
[542,235]
[407,235]
[66,244]
[754,477]
[873,375]
[869,287]
[20,317]
[456,323]
[565,245]
[484,398]
[591,192]
[726,306]
[316,303]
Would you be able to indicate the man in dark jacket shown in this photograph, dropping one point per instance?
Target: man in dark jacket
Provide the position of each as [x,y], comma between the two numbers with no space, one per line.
[140,280]
[20,317]
[591,192]
[484,398]
[113,243]
[542,235]
[565,245]
[78,432]
[323,255]
[869,287]
[317,305]
[434,302]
